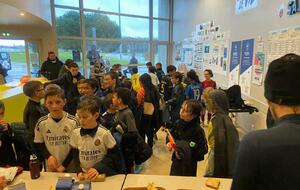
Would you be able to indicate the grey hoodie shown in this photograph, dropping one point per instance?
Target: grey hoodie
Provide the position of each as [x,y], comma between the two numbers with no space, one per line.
[225,135]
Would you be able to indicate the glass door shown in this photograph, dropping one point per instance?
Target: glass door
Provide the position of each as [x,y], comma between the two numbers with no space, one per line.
[34,58]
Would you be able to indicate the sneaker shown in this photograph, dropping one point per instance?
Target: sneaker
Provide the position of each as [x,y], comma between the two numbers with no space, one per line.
[138,168]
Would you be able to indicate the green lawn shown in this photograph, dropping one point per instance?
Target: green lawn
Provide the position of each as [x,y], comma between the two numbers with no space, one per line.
[19,57]
[64,55]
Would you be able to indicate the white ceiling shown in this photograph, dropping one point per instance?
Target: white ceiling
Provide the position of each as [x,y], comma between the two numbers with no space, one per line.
[10,15]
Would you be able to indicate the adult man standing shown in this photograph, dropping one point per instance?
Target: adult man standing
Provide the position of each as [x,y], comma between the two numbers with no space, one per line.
[269,159]
[51,67]
[93,55]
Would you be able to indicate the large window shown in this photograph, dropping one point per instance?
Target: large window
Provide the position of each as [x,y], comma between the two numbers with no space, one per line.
[132,27]
[67,22]
[12,59]
[99,25]
[71,49]
[113,31]
[135,7]
[102,5]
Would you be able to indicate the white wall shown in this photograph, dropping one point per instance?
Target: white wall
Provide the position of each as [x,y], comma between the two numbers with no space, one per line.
[250,24]
[39,8]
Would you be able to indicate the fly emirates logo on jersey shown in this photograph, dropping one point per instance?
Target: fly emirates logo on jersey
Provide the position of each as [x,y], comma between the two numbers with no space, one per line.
[56,140]
[90,155]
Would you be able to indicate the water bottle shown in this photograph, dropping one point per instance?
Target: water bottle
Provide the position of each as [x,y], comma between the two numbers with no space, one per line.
[34,167]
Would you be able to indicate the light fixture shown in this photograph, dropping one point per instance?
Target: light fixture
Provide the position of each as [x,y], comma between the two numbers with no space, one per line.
[5,34]
[22,14]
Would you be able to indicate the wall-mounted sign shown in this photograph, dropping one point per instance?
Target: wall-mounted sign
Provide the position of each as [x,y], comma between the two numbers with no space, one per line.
[244,5]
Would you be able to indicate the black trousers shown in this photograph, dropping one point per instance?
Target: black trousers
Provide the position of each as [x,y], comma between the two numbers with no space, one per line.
[183,168]
[146,128]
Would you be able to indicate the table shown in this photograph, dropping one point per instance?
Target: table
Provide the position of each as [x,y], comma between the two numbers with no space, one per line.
[48,181]
[173,182]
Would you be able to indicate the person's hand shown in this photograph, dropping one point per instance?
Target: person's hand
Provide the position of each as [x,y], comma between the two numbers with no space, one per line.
[92,173]
[52,163]
[3,182]
[81,176]
[61,168]
[177,155]
[74,80]
[4,124]
[169,146]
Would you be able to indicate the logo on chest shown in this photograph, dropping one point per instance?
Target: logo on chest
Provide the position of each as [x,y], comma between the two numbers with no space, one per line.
[97,142]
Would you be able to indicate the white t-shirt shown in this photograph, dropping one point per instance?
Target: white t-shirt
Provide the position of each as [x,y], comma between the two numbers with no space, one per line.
[56,135]
[154,79]
[92,149]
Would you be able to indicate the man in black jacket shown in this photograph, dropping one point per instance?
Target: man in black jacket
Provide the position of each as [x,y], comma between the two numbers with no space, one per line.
[269,159]
[51,67]
[68,82]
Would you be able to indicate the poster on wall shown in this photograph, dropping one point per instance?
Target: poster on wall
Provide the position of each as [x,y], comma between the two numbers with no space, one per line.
[246,66]
[258,68]
[234,68]
[188,55]
[244,5]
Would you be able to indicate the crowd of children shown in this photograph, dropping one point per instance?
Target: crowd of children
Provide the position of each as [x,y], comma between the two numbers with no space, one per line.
[94,126]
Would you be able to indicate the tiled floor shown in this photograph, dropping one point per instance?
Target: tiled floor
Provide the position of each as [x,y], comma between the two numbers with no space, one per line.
[160,162]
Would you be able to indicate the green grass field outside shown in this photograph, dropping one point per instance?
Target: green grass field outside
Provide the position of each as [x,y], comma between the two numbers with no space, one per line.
[18,57]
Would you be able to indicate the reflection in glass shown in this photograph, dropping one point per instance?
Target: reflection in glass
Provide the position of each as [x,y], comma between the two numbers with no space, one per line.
[12,60]
[70,49]
[135,7]
[161,8]
[102,25]
[72,3]
[102,5]
[137,28]
[34,61]
[160,30]
[67,22]
[161,55]
[119,53]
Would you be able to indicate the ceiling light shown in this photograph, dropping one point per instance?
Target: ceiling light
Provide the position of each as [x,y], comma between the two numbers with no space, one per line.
[22,14]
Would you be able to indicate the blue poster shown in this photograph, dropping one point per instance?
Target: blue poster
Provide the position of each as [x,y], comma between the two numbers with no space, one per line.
[247,55]
[235,54]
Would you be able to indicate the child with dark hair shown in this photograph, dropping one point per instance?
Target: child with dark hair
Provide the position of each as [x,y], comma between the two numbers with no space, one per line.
[166,85]
[133,105]
[6,143]
[191,145]
[111,81]
[65,68]
[52,132]
[148,98]
[159,72]
[87,87]
[125,118]
[33,112]
[108,117]
[135,79]
[178,97]
[208,82]
[194,89]
[94,149]
[152,73]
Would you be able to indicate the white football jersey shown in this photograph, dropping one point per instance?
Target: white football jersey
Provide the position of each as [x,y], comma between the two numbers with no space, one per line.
[92,149]
[56,135]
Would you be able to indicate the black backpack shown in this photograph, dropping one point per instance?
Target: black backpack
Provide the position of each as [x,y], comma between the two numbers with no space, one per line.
[234,96]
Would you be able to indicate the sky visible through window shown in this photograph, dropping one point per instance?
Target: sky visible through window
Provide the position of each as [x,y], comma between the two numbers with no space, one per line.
[130,26]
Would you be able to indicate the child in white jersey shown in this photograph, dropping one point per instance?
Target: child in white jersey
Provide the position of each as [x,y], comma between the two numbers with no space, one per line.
[52,132]
[94,148]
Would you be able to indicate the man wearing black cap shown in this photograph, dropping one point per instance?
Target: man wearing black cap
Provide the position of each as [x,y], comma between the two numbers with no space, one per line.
[270,159]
